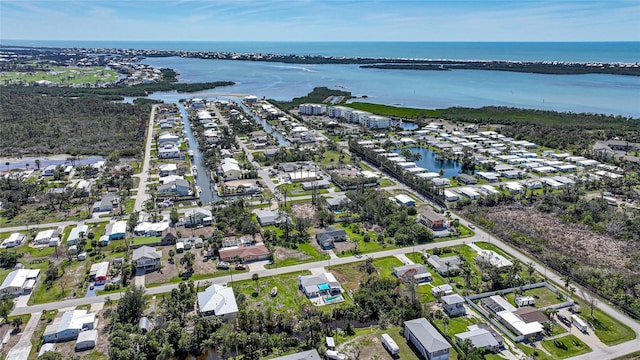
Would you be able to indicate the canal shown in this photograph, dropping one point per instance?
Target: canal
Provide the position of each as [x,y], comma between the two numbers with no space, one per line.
[282,141]
[203,180]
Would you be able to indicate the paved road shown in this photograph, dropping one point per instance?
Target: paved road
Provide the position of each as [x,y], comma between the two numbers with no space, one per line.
[22,349]
[263,174]
[143,176]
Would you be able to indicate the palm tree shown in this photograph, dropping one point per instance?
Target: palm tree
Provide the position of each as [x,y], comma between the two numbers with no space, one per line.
[16,323]
[255,277]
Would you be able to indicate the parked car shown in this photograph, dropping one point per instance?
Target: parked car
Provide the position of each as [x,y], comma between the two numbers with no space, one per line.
[222,265]
[471,226]
[565,320]
[240,267]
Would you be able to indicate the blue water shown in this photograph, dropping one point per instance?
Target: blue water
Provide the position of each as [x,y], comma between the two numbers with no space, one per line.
[428,161]
[597,93]
[518,51]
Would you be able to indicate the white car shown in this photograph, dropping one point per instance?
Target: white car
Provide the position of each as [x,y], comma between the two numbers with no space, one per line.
[471,226]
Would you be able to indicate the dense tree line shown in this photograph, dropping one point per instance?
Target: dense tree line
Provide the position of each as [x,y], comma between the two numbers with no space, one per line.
[559,130]
[53,125]
[518,219]
[317,96]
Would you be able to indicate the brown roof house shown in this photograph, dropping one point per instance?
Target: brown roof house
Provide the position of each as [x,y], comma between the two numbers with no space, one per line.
[244,253]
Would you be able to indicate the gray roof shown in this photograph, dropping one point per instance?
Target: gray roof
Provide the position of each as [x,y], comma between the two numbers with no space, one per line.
[335,201]
[146,251]
[305,355]
[87,335]
[480,338]
[427,335]
[452,299]
[330,233]
[400,270]
[440,264]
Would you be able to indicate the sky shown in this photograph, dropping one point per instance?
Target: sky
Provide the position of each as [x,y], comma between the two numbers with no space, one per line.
[321,20]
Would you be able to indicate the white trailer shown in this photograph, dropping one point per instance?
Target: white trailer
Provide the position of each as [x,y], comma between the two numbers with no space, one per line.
[451,196]
[390,344]
[579,323]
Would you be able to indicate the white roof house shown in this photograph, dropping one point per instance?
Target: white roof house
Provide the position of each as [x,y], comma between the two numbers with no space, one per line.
[218,300]
[18,282]
[492,258]
[405,200]
[13,240]
[69,326]
[116,230]
[518,326]
[74,235]
[44,237]
[86,340]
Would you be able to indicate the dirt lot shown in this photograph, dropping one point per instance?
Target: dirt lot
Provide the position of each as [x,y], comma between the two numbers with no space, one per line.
[282,253]
[169,271]
[305,210]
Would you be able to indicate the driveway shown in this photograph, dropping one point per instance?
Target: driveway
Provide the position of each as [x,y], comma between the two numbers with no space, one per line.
[23,347]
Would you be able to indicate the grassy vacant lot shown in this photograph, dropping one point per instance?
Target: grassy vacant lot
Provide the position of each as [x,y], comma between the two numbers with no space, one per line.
[456,325]
[372,348]
[259,294]
[566,346]
[531,353]
[363,246]
[386,110]
[544,297]
[63,75]
[146,240]
[303,253]
[609,330]
[350,275]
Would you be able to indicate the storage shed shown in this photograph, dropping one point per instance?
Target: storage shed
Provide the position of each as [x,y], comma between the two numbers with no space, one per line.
[86,340]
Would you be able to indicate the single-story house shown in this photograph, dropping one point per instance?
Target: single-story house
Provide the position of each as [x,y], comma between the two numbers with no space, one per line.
[13,240]
[107,203]
[76,234]
[427,339]
[405,200]
[442,290]
[318,285]
[218,300]
[445,266]
[418,271]
[179,187]
[86,340]
[147,258]
[44,237]
[198,216]
[99,272]
[151,229]
[104,240]
[531,314]
[491,258]
[267,217]
[335,203]
[116,230]
[244,253]
[19,282]
[329,235]
[69,326]
[230,170]
[480,338]
[453,305]
[431,219]
[467,179]
[320,184]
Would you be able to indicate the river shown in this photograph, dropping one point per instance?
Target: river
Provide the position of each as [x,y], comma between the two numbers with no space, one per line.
[282,141]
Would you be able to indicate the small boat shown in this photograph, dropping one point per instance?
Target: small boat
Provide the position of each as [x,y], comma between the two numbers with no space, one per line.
[274,291]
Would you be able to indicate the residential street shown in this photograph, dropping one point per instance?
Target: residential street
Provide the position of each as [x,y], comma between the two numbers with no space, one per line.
[143,175]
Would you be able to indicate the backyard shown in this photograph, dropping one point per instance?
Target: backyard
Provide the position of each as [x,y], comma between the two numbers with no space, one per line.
[258,294]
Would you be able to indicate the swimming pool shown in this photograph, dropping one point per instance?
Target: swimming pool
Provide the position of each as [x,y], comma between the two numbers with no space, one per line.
[333,299]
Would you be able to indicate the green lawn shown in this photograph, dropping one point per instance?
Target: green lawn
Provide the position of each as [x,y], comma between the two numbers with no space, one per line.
[632,356]
[406,350]
[146,240]
[544,297]
[63,75]
[566,346]
[350,275]
[394,111]
[363,246]
[456,325]
[288,295]
[529,351]
[309,250]
[386,182]
[607,329]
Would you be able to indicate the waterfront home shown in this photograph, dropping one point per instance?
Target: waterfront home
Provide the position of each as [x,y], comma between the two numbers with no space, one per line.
[167,138]
[168,169]
[169,151]
[467,179]
[179,187]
